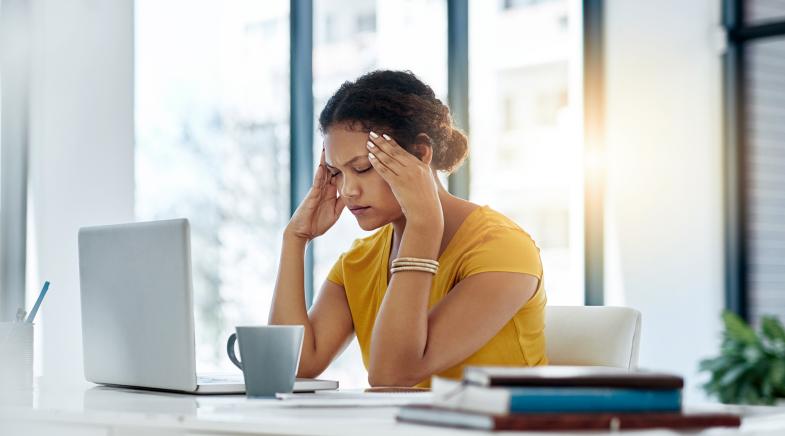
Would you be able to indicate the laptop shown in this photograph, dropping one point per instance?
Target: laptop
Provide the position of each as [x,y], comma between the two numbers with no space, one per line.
[137,311]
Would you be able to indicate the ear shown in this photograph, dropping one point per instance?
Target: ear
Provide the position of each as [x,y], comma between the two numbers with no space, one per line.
[423,148]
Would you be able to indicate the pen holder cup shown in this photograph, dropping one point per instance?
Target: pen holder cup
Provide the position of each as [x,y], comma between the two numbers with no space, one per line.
[16,356]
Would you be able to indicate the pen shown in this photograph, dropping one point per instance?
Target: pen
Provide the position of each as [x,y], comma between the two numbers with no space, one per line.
[38,302]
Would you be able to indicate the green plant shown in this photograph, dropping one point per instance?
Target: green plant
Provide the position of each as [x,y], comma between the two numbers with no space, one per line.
[751,367]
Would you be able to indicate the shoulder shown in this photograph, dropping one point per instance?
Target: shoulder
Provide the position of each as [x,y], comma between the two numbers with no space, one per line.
[494,242]
[489,225]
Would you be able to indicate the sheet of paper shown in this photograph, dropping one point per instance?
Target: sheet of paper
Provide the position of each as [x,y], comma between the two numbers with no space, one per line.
[355,399]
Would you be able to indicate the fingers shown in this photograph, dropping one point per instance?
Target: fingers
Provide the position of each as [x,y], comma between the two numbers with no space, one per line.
[330,189]
[318,175]
[380,167]
[321,180]
[385,154]
[387,150]
[339,205]
[322,176]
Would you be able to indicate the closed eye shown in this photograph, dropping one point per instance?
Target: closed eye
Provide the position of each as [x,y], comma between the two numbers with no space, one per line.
[337,173]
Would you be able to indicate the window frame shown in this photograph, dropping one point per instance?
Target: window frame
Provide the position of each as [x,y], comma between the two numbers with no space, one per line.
[739,35]
[14,155]
[593,15]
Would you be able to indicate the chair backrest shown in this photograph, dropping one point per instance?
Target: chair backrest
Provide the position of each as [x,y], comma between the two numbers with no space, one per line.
[592,335]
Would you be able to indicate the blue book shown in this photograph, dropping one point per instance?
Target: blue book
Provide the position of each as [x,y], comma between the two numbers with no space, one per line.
[592,400]
[505,400]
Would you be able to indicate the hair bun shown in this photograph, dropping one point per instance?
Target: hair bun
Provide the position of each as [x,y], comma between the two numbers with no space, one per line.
[452,152]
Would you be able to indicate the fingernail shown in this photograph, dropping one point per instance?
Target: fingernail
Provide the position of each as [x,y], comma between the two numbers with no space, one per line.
[384,135]
[373,134]
[371,156]
[371,144]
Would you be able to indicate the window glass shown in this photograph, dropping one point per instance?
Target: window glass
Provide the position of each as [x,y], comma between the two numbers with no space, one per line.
[212,145]
[525,125]
[763,11]
[352,37]
[764,161]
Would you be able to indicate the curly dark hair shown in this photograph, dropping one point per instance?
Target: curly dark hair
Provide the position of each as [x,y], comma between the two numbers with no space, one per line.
[400,104]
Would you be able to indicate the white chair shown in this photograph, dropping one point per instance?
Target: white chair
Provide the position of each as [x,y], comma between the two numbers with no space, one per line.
[592,335]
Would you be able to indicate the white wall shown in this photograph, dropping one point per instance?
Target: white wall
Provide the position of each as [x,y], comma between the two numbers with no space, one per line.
[664,212]
[81,136]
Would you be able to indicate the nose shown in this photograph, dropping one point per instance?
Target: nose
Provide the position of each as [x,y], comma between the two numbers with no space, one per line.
[350,188]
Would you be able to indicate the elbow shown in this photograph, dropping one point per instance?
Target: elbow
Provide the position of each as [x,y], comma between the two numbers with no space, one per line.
[379,381]
[305,371]
[394,377]
[310,367]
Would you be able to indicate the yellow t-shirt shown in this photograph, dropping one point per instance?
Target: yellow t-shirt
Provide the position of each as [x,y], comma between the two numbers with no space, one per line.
[485,241]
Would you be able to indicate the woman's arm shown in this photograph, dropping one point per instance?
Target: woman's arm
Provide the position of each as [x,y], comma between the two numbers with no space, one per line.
[328,327]
[465,320]
[400,334]
[409,343]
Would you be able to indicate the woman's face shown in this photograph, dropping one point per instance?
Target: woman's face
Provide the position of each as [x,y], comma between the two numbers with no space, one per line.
[364,191]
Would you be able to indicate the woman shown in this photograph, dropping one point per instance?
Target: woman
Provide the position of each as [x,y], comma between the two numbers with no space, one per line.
[443,283]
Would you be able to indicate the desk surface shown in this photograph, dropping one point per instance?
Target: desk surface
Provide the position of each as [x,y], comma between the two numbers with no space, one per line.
[117,411]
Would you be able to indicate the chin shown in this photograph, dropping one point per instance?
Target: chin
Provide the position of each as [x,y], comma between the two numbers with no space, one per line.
[369,225]
[375,221]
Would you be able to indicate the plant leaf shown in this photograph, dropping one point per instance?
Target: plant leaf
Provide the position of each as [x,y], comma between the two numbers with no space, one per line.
[733,375]
[738,330]
[772,328]
[715,364]
[777,373]
[753,354]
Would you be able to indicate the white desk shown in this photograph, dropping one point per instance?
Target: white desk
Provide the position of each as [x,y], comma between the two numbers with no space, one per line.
[94,410]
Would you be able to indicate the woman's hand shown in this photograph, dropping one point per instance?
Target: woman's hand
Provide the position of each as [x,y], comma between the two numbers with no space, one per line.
[411,181]
[319,210]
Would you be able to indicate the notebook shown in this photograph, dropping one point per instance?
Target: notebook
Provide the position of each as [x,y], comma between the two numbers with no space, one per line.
[571,376]
[432,415]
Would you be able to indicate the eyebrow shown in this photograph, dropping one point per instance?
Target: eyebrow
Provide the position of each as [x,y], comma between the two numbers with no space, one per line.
[349,161]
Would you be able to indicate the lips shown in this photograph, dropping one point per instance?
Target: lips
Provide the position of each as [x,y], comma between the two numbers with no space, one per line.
[359,210]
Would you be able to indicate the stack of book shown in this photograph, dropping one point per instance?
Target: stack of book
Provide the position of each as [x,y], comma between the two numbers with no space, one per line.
[561,398]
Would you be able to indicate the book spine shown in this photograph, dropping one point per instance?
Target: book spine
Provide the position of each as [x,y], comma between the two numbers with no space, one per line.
[578,383]
[560,421]
[612,422]
[593,400]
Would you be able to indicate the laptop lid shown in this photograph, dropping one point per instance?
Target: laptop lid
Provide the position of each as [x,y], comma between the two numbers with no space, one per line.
[137,304]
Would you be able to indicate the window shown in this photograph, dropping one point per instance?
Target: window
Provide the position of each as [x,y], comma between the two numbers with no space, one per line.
[755,111]
[513,4]
[212,133]
[763,11]
[380,41]
[15,35]
[212,109]
[764,159]
[525,125]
